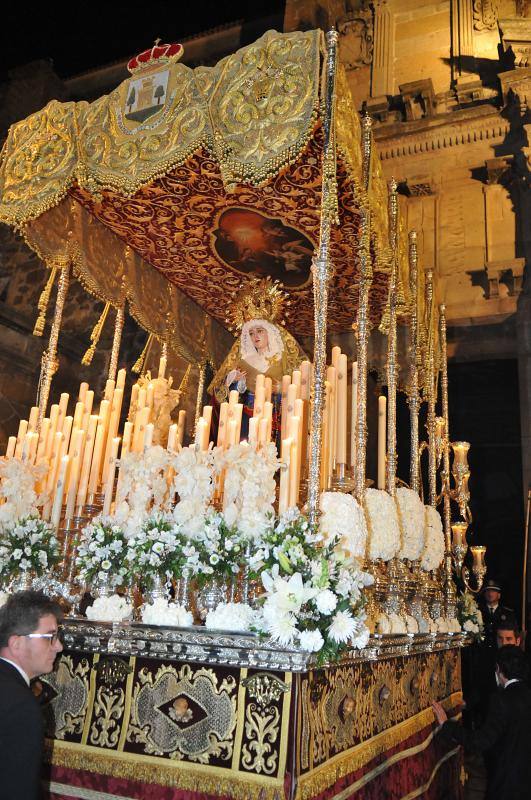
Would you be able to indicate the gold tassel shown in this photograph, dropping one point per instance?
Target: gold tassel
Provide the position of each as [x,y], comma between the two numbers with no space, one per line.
[138,366]
[95,336]
[42,305]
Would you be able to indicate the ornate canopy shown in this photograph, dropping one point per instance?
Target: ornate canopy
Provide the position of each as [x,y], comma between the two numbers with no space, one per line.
[182,184]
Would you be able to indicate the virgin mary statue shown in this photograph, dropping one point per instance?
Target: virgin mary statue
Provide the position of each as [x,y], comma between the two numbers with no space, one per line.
[264,346]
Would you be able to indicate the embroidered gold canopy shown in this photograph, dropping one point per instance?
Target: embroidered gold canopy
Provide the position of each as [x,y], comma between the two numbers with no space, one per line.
[182,184]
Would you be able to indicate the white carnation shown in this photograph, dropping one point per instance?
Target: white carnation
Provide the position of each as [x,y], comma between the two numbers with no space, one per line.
[342,627]
[326,601]
[110,609]
[342,519]
[411,511]
[433,554]
[162,612]
[311,641]
[231,617]
[384,530]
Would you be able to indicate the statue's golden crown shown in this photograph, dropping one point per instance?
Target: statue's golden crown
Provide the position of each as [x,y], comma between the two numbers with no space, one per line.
[261,298]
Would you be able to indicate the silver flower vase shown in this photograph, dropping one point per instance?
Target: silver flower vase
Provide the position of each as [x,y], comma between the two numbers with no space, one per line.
[22,582]
[158,591]
[210,596]
[101,587]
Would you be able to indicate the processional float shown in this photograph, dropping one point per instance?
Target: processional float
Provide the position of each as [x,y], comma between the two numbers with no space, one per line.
[245,194]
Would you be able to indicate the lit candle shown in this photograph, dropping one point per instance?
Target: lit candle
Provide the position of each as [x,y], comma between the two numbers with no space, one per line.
[285,456]
[85,464]
[172,438]
[478,558]
[33,419]
[21,435]
[148,436]
[222,425]
[162,366]
[382,440]
[83,389]
[459,530]
[354,413]
[120,378]
[59,491]
[461,452]
[11,444]
[341,409]
[109,486]
[181,425]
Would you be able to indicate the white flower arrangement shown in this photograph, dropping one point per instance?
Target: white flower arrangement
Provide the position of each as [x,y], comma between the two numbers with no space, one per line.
[249,489]
[163,612]
[17,488]
[156,551]
[101,553]
[27,545]
[469,616]
[343,520]
[397,623]
[231,617]
[142,486]
[411,514]
[218,551]
[313,596]
[110,609]
[194,484]
[433,554]
[382,523]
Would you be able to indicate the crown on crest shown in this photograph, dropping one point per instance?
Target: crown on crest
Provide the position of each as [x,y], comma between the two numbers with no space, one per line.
[155,56]
[262,298]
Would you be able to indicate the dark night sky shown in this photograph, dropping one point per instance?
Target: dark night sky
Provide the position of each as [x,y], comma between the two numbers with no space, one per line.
[79,36]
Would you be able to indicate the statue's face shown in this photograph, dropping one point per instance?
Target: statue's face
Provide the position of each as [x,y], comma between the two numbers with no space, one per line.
[259,338]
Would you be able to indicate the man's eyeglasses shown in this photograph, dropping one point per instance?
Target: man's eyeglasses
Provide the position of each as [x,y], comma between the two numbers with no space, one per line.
[52,637]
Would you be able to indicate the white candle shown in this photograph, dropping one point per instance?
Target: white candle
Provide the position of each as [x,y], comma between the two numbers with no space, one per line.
[11,444]
[21,435]
[141,398]
[89,401]
[162,366]
[260,381]
[306,377]
[109,389]
[268,388]
[33,419]
[54,416]
[200,429]
[120,378]
[43,441]
[63,407]
[181,426]
[78,415]
[259,400]
[54,461]
[286,383]
[296,379]
[234,397]
[262,430]
[294,433]
[97,455]
[150,395]
[85,464]
[76,460]
[382,440]
[59,491]
[141,420]
[109,486]
[341,405]
[268,414]
[172,438]
[253,431]
[83,389]
[354,413]
[133,402]
[148,436]
[331,377]
[112,428]
[207,416]
[325,456]
[222,425]
[126,441]
[231,434]
[285,456]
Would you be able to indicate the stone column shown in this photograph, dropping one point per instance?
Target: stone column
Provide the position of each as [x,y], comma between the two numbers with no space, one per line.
[384,49]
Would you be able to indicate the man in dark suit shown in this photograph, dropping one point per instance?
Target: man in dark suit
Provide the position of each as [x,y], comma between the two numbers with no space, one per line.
[506,732]
[29,644]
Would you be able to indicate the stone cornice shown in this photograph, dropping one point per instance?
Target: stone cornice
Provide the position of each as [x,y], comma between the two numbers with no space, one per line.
[463,127]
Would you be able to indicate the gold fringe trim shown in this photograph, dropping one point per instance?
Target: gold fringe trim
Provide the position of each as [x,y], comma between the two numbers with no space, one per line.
[322,778]
[184,383]
[95,336]
[164,772]
[138,366]
[42,305]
